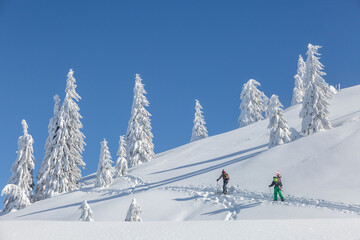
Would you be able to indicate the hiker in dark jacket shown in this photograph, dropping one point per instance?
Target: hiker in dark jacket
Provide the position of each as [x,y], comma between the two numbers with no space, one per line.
[226,179]
[277,186]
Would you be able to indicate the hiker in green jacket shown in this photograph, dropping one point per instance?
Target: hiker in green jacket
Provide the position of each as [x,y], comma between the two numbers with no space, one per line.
[277,186]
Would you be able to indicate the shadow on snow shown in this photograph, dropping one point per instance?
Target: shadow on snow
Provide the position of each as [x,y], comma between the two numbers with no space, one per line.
[144,187]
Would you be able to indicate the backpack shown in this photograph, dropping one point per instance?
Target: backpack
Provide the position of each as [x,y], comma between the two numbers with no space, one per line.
[226,176]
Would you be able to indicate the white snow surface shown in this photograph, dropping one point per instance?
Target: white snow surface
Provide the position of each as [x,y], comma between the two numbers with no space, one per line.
[179,197]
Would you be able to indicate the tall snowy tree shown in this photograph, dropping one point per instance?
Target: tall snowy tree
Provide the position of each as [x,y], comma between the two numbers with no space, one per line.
[72,120]
[314,112]
[199,130]
[266,106]
[61,172]
[280,132]
[299,89]
[121,166]
[252,103]
[15,199]
[23,167]
[133,212]
[140,148]
[87,214]
[105,172]
[43,176]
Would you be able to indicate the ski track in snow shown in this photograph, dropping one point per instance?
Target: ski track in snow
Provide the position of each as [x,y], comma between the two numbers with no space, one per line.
[236,199]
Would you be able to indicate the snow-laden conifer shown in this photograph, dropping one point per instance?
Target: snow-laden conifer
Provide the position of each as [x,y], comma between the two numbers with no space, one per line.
[140,148]
[87,214]
[105,172]
[314,112]
[121,166]
[266,106]
[280,132]
[299,88]
[133,212]
[23,167]
[252,103]
[72,120]
[15,199]
[61,172]
[44,179]
[199,130]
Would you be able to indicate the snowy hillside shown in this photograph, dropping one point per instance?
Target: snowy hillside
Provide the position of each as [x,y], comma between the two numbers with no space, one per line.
[320,176]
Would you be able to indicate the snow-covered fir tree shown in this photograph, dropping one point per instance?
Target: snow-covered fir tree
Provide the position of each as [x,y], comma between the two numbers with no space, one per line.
[87,214]
[280,132]
[43,176]
[72,120]
[133,212]
[266,106]
[299,88]
[121,166]
[252,103]
[314,112]
[23,167]
[61,172]
[140,148]
[199,130]
[105,172]
[15,199]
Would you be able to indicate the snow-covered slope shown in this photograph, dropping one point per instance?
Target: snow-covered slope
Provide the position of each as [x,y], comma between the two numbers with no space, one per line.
[320,176]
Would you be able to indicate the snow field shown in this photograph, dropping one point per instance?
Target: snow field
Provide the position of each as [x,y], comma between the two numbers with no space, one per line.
[320,229]
[319,173]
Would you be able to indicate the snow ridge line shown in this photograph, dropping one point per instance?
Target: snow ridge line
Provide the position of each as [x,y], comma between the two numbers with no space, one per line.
[231,201]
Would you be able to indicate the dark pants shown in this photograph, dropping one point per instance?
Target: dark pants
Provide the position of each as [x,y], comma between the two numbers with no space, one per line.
[225,187]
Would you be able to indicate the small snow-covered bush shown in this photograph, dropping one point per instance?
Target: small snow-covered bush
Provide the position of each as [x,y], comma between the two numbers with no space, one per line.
[86,213]
[133,212]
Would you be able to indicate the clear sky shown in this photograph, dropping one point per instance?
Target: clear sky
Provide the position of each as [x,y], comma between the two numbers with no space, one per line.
[183,50]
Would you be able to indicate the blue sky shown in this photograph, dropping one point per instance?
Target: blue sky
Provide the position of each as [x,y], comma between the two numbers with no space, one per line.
[182,49]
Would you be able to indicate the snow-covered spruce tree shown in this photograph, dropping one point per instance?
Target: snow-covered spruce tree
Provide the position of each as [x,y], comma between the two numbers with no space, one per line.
[43,176]
[87,214]
[133,212]
[314,112]
[15,199]
[140,148]
[252,103]
[299,88]
[121,166]
[72,119]
[266,106]
[61,172]
[199,130]
[280,132]
[23,167]
[105,172]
